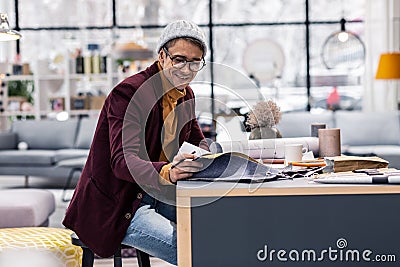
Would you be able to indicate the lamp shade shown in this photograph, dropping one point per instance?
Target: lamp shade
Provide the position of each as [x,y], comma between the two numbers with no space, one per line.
[6,34]
[389,66]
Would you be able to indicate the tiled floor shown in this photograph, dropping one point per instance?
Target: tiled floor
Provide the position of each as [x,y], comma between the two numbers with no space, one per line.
[55,219]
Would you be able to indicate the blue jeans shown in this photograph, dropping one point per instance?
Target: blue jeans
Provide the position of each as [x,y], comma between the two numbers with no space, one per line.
[153,230]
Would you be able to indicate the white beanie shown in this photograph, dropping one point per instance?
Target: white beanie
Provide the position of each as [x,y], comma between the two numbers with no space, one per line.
[180,29]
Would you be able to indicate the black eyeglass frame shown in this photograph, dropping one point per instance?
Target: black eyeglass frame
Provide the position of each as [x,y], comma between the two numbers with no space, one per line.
[182,63]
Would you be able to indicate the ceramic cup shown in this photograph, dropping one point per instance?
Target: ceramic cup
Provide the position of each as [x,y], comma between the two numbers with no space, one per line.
[294,152]
[329,142]
[315,127]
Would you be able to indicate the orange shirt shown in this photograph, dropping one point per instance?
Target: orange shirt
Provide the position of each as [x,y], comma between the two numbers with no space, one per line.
[169,102]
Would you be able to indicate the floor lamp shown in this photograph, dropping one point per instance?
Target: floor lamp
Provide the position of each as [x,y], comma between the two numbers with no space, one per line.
[389,68]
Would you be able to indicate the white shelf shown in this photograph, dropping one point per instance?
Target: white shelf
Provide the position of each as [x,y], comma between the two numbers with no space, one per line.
[33,77]
[84,112]
[18,113]
[89,76]
[51,77]
[18,78]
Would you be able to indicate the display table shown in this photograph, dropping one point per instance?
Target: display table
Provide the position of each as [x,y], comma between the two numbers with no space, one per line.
[287,223]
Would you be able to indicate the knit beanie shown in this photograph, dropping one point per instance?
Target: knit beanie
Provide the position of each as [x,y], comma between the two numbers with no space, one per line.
[179,29]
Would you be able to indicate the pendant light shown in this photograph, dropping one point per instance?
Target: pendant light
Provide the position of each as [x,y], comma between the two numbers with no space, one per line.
[343,49]
[6,34]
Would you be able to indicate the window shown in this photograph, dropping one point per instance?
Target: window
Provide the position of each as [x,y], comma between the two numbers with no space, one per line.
[53,27]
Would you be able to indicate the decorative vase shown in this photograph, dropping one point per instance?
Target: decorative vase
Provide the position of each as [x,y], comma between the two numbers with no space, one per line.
[264,133]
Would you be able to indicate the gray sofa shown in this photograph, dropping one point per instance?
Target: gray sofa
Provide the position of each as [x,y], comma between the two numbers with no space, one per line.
[362,133]
[49,143]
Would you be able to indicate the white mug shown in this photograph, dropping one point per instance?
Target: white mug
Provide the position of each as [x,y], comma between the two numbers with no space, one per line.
[294,152]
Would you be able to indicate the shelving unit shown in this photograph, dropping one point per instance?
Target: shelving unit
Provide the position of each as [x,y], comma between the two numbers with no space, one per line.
[65,90]
[63,86]
[10,105]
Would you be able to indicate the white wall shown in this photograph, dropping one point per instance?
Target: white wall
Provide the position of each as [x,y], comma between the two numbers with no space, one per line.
[382,36]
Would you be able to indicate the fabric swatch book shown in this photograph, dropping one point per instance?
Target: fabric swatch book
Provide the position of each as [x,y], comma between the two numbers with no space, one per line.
[228,166]
[231,167]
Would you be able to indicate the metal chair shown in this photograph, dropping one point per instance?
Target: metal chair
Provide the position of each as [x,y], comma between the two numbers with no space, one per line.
[88,255]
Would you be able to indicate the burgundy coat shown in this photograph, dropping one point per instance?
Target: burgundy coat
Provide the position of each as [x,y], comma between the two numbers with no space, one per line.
[124,153]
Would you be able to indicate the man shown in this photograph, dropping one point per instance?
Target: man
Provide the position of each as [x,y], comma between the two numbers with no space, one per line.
[143,122]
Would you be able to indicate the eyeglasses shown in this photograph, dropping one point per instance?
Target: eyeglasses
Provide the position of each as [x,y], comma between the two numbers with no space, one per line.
[180,62]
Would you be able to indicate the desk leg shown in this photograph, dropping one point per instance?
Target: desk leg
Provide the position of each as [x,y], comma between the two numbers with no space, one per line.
[184,236]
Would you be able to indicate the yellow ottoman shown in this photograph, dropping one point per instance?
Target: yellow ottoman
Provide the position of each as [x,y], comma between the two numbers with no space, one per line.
[38,247]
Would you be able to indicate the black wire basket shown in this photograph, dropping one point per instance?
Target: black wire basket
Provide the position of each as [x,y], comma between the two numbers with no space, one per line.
[343,50]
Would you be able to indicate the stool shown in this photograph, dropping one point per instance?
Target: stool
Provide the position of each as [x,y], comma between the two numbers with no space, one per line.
[26,207]
[76,165]
[38,247]
[88,255]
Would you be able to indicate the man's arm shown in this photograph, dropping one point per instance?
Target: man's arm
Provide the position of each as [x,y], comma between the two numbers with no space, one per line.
[125,133]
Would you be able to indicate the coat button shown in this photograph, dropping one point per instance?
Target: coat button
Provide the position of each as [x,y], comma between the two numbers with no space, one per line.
[139,196]
[128,216]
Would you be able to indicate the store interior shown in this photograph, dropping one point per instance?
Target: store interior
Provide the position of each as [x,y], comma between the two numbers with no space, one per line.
[312,56]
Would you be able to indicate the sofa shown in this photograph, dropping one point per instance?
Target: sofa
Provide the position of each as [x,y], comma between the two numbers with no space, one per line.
[36,147]
[361,133]
[52,142]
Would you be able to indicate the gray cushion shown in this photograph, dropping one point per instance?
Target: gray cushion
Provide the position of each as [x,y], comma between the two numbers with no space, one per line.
[50,171]
[65,154]
[27,157]
[45,134]
[25,207]
[362,128]
[378,150]
[87,128]
[72,163]
[298,124]
[8,140]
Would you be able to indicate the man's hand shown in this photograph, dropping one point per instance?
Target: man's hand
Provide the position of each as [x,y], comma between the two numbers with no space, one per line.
[183,167]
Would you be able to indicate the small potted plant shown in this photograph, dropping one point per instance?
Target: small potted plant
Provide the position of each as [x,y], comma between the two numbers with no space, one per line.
[20,96]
